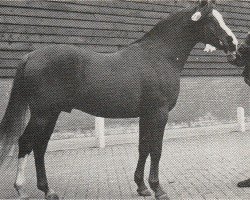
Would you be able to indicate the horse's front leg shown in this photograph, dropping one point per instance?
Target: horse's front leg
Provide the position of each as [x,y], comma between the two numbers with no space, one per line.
[155,124]
[144,148]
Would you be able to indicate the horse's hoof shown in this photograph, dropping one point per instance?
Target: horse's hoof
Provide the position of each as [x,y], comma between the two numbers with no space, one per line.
[21,192]
[144,192]
[25,197]
[245,183]
[161,194]
[162,197]
[52,196]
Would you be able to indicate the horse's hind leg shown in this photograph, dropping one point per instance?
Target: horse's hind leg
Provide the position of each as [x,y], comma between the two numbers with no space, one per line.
[44,124]
[20,178]
[25,144]
[35,137]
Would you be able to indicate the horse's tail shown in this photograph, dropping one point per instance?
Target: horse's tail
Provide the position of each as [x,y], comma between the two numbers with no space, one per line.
[12,124]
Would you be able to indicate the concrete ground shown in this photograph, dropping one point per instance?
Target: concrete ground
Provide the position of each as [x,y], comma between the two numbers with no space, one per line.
[197,167]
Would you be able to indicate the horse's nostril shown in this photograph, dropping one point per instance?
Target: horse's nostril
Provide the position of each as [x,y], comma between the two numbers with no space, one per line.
[229,39]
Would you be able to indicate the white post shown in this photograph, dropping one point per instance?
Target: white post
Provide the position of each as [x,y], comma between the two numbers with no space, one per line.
[241,119]
[99,132]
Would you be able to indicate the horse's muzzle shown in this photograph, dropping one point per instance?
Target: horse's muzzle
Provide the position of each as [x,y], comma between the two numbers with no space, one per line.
[231,56]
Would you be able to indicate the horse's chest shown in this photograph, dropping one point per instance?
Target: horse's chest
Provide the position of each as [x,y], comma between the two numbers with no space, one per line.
[160,88]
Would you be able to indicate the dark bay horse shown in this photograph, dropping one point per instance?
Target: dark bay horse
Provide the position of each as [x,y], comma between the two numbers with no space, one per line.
[141,80]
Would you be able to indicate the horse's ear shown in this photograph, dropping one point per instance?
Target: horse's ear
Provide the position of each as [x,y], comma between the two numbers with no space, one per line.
[203,2]
[206,2]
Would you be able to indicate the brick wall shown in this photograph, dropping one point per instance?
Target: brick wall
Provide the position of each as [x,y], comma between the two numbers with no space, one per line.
[103,26]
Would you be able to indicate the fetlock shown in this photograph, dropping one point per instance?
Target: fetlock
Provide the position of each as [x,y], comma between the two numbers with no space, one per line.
[154,185]
[159,192]
[21,192]
[142,189]
[138,180]
[43,187]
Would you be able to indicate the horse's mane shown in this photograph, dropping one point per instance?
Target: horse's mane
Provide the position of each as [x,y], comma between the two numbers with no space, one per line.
[173,19]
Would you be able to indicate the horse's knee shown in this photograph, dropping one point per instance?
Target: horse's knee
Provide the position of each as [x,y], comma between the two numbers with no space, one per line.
[156,151]
[144,150]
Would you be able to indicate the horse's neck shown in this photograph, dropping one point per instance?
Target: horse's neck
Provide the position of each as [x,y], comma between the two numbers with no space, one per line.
[174,43]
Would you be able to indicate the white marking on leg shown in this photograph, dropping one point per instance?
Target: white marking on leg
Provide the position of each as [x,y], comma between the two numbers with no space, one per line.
[223,25]
[20,178]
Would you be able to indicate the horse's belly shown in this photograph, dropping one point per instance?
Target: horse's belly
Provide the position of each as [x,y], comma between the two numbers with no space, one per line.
[110,107]
[111,100]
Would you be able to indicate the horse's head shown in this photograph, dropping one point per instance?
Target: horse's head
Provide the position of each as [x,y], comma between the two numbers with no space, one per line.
[212,28]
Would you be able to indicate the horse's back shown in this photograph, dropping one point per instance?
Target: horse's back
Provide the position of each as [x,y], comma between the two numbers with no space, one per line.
[68,77]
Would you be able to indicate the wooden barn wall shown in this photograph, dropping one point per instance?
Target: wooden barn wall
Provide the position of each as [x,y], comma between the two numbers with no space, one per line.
[104,26]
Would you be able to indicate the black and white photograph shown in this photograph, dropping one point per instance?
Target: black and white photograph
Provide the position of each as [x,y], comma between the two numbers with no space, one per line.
[125,99]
